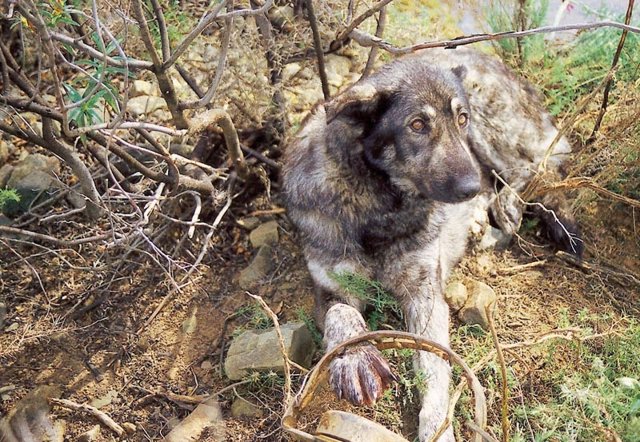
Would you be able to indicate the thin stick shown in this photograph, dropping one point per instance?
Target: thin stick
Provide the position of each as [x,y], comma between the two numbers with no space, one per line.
[365,39]
[503,374]
[283,350]
[614,63]
[382,19]
[317,44]
[100,415]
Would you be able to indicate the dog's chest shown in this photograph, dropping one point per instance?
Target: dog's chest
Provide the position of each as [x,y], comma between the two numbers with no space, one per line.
[397,223]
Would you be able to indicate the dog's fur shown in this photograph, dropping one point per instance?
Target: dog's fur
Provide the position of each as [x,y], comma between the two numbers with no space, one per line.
[386,180]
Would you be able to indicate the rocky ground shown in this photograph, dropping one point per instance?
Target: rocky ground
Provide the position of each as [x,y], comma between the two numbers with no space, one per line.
[183,370]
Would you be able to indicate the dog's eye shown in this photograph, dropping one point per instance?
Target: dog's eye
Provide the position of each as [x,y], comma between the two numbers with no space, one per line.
[463,119]
[418,125]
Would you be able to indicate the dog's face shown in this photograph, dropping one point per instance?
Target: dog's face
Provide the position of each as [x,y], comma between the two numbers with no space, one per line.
[415,129]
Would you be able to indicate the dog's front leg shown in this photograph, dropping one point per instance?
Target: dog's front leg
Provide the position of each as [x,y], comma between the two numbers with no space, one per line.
[360,374]
[427,314]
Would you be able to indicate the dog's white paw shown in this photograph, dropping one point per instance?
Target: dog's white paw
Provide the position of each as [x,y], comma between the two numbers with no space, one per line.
[360,375]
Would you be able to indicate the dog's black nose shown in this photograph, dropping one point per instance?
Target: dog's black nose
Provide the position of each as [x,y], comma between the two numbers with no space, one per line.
[466,188]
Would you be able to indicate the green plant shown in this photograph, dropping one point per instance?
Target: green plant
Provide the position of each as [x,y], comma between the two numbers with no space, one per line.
[254,316]
[8,195]
[373,293]
[311,326]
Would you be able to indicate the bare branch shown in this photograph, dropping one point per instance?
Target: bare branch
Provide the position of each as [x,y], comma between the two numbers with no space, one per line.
[221,118]
[614,63]
[382,19]
[317,44]
[366,40]
[100,415]
[222,60]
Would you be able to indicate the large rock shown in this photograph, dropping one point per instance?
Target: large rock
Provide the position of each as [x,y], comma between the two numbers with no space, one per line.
[145,104]
[481,299]
[259,268]
[31,176]
[337,68]
[264,234]
[351,427]
[456,295]
[494,239]
[259,350]
[207,416]
[5,173]
[242,408]
[4,151]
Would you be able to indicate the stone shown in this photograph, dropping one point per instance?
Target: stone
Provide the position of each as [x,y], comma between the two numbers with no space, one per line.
[290,71]
[31,176]
[76,199]
[494,239]
[264,234]
[4,150]
[249,223]
[456,295]
[107,399]
[259,350]
[481,298]
[206,365]
[90,436]
[347,426]
[484,264]
[243,408]
[129,427]
[12,327]
[208,416]
[5,173]
[337,68]
[145,104]
[259,268]
[141,87]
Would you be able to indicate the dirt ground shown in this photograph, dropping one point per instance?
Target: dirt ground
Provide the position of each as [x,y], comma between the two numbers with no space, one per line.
[111,353]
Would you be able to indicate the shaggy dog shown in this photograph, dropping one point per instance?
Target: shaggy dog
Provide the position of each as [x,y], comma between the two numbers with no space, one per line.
[386,181]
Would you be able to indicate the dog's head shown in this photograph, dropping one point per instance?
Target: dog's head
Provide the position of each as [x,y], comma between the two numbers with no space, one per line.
[413,123]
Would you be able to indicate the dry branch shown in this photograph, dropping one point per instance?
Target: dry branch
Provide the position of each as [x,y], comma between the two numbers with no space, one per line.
[614,63]
[100,415]
[221,118]
[368,40]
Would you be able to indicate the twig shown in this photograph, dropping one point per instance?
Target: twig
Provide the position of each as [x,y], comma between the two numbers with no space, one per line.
[503,374]
[317,44]
[195,217]
[521,267]
[365,39]
[578,182]
[382,19]
[100,415]
[614,63]
[221,118]
[50,239]
[283,350]
[274,211]
[222,60]
[358,20]
[572,238]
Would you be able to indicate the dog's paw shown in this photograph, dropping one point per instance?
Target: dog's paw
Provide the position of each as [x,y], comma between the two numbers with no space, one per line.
[360,375]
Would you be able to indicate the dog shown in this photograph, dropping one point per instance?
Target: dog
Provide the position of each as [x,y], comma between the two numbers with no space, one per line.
[386,181]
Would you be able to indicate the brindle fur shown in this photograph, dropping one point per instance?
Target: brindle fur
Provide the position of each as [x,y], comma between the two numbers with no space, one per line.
[373,196]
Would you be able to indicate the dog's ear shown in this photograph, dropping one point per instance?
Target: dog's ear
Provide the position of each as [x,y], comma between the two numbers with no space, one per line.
[459,71]
[361,100]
